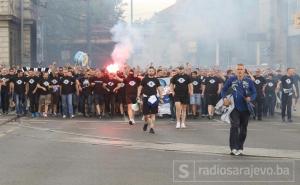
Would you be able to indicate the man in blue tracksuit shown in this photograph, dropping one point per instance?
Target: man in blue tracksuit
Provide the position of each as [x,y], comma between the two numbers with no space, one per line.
[243,92]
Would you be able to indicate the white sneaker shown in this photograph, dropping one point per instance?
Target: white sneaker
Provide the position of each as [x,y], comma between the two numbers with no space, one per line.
[178,125]
[235,152]
[241,152]
[45,115]
[72,116]
[64,116]
[133,121]
[183,125]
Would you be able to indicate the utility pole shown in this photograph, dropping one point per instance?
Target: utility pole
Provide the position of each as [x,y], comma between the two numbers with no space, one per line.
[131,12]
[22,32]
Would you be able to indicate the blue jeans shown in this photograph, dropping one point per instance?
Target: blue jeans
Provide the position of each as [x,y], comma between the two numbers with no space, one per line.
[67,104]
[20,104]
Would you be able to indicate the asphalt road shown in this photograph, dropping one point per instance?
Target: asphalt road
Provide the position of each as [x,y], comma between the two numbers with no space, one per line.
[110,152]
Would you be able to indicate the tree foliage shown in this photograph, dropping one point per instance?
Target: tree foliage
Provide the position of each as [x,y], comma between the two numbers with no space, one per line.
[67,19]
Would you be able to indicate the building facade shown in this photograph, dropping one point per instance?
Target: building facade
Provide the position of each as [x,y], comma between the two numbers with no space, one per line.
[11,37]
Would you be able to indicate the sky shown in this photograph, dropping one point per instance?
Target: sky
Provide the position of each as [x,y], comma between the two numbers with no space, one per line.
[145,9]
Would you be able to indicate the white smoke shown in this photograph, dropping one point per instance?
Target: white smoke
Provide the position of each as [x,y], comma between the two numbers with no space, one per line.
[127,39]
[189,32]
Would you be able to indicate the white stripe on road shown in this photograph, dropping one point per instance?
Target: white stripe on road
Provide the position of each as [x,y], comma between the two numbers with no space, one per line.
[176,147]
[121,128]
[289,130]
[87,128]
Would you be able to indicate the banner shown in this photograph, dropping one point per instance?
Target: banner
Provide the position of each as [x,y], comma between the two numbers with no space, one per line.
[164,109]
[81,58]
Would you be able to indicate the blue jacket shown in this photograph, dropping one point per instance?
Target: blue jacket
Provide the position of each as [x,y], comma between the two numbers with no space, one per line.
[239,89]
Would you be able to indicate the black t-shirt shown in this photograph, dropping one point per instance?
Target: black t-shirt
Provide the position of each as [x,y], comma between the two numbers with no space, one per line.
[131,85]
[98,87]
[270,87]
[5,82]
[19,84]
[85,84]
[181,83]
[150,86]
[67,85]
[32,82]
[46,83]
[55,84]
[212,84]
[259,82]
[111,84]
[287,82]
[121,90]
[277,77]
[196,85]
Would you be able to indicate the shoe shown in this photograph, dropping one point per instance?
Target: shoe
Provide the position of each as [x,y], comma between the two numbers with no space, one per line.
[178,125]
[183,125]
[290,121]
[72,116]
[145,127]
[241,152]
[64,116]
[234,152]
[130,122]
[259,119]
[283,119]
[45,115]
[99,117]
[151,131]
[37,114]
[33,115]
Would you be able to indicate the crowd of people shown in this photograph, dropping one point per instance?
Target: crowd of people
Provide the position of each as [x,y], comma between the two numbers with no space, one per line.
[69,91]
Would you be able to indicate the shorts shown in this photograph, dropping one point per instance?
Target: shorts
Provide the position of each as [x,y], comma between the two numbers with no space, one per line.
[121,99]
[184,99]
[98,99]
[195,99]
[131,99]
[55,98]
[147,109]
[45,99]
[211,99]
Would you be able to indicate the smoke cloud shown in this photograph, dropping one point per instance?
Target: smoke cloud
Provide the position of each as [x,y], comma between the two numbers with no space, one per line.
[190,31]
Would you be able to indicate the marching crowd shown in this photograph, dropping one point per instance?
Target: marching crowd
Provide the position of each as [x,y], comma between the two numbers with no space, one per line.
[68,91]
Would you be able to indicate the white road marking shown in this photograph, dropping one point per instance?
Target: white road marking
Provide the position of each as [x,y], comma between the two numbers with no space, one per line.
[121,128]
[176,147]
[87,128]
[289,130]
